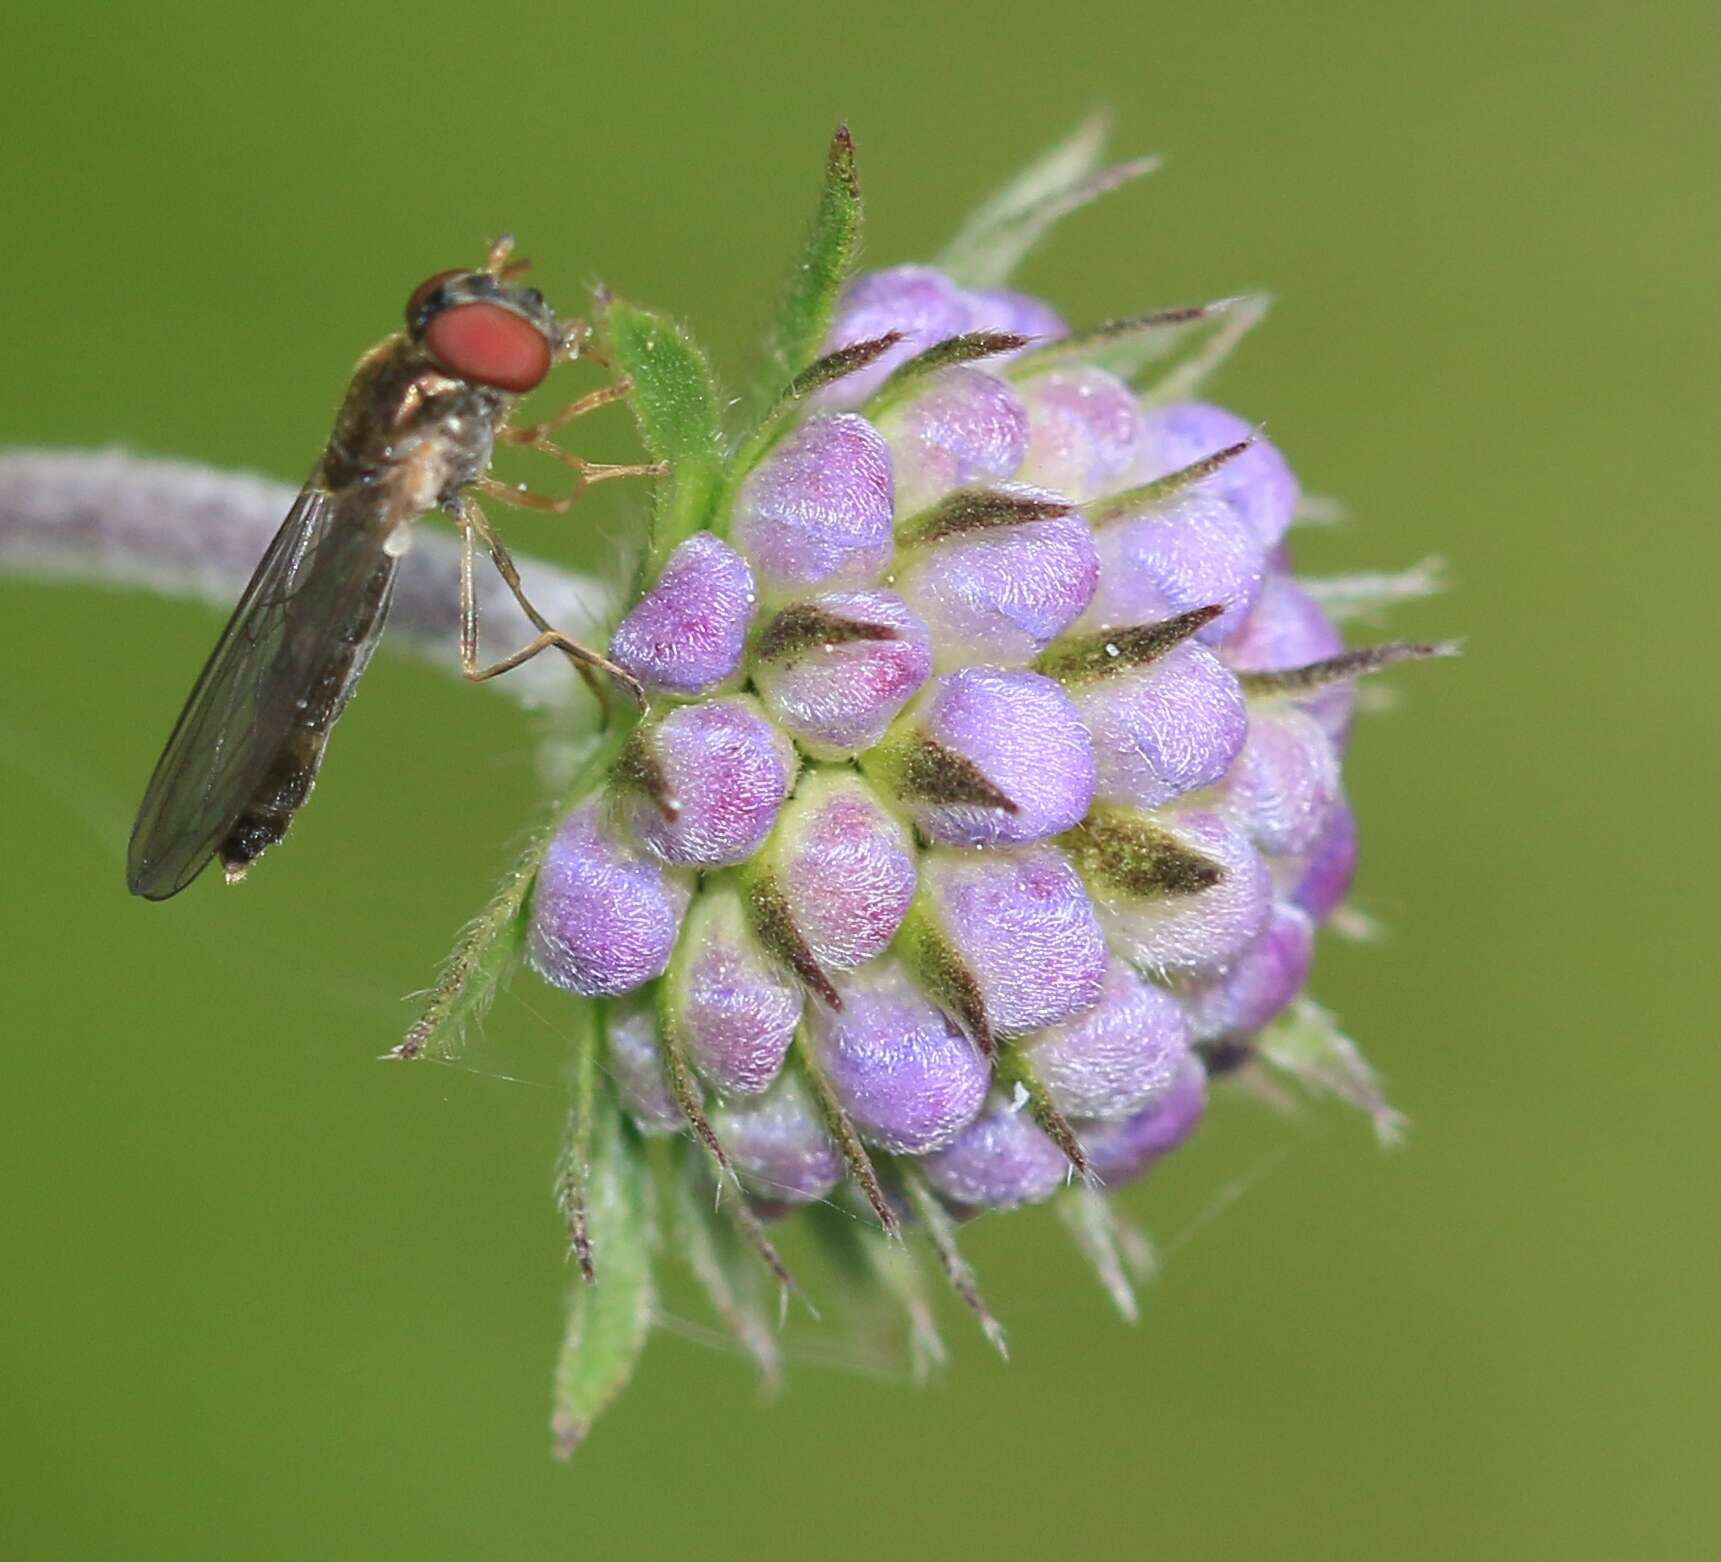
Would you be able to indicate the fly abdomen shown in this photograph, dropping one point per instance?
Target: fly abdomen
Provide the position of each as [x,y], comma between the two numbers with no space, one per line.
[286,783]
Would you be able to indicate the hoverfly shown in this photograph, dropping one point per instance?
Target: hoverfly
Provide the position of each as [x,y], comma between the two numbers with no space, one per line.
[415,433]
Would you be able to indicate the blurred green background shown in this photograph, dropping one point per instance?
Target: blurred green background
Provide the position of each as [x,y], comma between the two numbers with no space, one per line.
[265,1297]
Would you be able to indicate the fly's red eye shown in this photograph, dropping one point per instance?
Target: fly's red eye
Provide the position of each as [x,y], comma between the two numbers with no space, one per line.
[489,345]
[423,291]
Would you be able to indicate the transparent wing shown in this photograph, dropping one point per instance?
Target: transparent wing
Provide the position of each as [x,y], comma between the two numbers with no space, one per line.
[298,609]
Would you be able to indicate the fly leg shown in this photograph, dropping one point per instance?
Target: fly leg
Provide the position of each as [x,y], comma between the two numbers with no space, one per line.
[587,473]
[590,402]
[587,662]
[536,436]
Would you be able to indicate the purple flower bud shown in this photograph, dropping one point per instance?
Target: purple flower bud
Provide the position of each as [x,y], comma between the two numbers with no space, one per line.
[923,304]
[1256,485]
[1285,781]
[817,510]
[999,1161]
[732,1008]
[1165,728]
[1004,309]
[1329,866]
[905,1074]
[963,428]
[1119,1152]
[1185,553]
[1000,594]
[1264,978]
[604,915]
[844,869]
[990,758]
[1180,891]
[1119,1056]
[1287,628]
[1084,433]
[707,781]
[835,669]
[1022,930]
[779,1144]
[687,633]
[636,1065]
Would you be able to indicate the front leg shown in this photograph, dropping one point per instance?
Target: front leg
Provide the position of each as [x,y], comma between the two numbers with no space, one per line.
[587,662]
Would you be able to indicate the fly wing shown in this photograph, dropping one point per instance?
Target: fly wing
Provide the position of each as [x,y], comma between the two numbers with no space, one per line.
[298,608]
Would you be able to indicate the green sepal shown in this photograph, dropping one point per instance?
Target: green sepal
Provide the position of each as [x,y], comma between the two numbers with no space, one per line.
[1079,659]
[1292,682]
[684,1089]
[574,1165]
[608,1319]
[785,408]
[1306,1044]
[927,950]
[1363,596]
[1131,347]
[1001,231]
[1149,496]
[1125,852]
[1200,351]
[900,1275]
[846,1135]
[881,1280]
[1116,1251]
[720,1261]
[951,353]
[1013,1068]
[826,258]
[967,510]
[940,1231]
[493,943]
[912,768]
[488,949]
[678,408]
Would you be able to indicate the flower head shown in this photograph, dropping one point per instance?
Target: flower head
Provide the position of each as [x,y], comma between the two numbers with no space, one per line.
[989,797]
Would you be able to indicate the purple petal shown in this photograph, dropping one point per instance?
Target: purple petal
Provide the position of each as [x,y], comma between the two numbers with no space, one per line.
[1119,1152]
[1256,485]
[1330,865]
[1024,929]
[963,428]
[779,1144]
[923,304]
[1119,1056]
[687,634]
[1165,728]
[1285,782]
[1000,595]
[1186,553]
[1264,979]
[817,510]
[837,696]
[1018,731]
[604,915]
[723,771]
[902,1071]
[731,1007]
[845,869]
[1285,628]
[636,1065]
[1084,433]
[999,1161]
